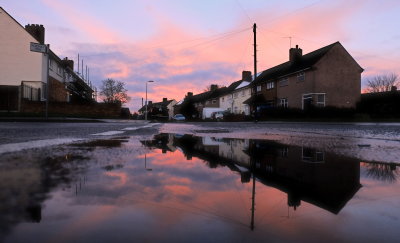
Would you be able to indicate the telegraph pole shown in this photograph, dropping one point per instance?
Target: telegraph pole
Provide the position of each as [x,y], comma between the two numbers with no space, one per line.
[255,50]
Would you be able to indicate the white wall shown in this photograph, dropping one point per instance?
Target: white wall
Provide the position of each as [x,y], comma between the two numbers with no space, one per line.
[225,102]
[17,62]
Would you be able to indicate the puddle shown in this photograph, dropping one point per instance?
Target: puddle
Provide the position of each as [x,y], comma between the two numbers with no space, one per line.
[179,188]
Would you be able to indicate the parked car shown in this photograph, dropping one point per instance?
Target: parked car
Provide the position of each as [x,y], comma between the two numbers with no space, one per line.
[178,117]
[218,115]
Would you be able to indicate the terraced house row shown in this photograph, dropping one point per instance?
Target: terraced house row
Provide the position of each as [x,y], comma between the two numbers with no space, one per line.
[325,77]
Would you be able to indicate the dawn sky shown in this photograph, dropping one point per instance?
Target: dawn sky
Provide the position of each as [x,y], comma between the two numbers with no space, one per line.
[185,46]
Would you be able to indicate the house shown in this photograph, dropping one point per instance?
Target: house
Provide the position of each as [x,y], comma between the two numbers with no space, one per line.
[328,76]
[23,73]
[237,93]
[159,110]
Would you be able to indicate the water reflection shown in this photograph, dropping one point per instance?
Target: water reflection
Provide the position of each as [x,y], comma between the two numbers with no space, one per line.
[320,178]
[160,190]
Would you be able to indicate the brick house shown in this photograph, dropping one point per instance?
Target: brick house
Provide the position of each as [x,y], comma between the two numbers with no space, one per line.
[328,76]
[23,73]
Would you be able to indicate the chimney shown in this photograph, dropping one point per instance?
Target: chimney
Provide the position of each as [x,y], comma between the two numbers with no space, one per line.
[295,54]
[394,89]
[213,87]
[68,63]
[37,31]
[149,102]
[189,94]
[164,100]
[246,76]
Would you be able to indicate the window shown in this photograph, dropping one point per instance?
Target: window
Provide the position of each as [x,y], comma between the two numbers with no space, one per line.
[301,77]
[284,103]
[235,95]
[258,88]
[59,70]
[214,101]
[236,110]
[270,85]
[321,100]
[284,82]
[223,99]
[243,93]
[51,63]
[310,155]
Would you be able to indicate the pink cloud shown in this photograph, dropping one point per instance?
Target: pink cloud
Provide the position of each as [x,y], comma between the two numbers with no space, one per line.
[83,21]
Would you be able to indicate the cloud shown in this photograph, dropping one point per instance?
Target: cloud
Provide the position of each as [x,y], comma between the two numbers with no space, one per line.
[94,29]
[181,59]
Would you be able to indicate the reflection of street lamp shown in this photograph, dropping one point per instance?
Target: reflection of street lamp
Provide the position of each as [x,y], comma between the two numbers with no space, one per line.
[145,163]
[145,115]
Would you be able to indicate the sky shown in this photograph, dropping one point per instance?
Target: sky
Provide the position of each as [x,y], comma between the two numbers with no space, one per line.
[184,46]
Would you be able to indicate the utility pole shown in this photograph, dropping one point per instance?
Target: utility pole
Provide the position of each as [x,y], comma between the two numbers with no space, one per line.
[255,50]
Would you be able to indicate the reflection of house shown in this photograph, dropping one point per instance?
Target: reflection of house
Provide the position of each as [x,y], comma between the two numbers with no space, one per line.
[305,174]
[323,179]
[24,73]
[159,110]
[325,77]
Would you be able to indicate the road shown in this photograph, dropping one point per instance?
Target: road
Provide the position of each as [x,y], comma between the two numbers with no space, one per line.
[369,141]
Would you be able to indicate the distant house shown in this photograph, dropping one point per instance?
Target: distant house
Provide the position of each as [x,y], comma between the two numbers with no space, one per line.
[160,110]
[23,73]
[237,93]
[328,76]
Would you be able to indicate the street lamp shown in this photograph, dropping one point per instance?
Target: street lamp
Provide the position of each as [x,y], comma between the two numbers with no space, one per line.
[145,115]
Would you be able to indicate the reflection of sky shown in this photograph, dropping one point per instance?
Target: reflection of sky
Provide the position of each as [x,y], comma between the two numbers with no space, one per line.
[184,199]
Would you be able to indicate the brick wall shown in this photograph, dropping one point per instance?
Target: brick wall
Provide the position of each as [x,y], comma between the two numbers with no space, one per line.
[67,109]
[58,92]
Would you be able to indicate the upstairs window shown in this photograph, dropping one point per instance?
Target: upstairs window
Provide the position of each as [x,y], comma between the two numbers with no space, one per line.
[270,85]
[214,101]
[283,82]
[235,95]
[258,88]
[301,77]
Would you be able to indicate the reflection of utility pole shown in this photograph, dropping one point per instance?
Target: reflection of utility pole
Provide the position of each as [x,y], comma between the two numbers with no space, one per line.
[253,195]
[253,199]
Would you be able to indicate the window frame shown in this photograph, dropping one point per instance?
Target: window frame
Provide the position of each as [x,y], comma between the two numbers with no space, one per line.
[270,85]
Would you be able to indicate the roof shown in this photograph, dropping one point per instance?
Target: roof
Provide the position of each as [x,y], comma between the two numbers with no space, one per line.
[304,62]
[157,104]
[255,99]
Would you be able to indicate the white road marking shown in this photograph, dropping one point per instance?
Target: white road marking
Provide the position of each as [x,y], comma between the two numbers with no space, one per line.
[109,133]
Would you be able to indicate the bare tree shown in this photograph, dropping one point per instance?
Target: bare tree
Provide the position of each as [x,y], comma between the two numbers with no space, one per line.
[382,83]
[113,91]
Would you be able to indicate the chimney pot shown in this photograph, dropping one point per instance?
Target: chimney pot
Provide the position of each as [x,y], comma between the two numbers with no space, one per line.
[246,76]
[295,54]
[37,31]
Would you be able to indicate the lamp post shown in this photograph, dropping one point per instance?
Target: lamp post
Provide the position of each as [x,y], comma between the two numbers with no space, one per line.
[145,115]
